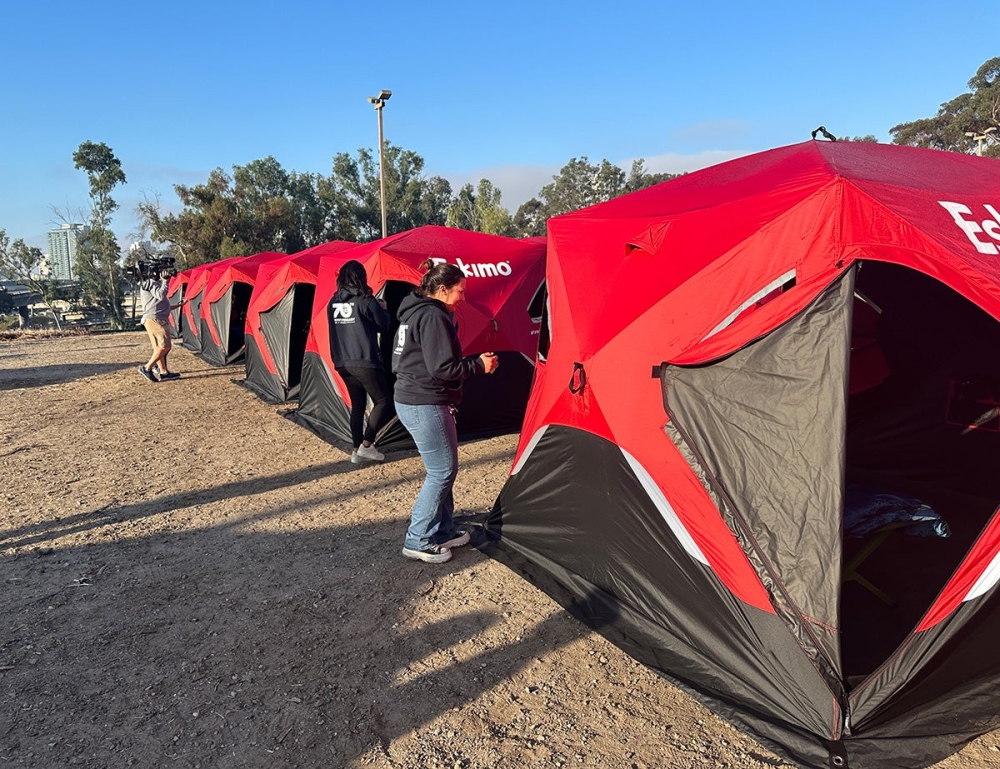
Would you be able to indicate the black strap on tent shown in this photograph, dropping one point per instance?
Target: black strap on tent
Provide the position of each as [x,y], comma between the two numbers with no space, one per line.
[826,134]
[579,379]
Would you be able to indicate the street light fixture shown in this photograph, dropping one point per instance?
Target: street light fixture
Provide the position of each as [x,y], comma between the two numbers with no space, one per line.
[980,138]
[379,102]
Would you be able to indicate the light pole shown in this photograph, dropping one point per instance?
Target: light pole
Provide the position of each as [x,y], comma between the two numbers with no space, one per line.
[379,102]
[980,138]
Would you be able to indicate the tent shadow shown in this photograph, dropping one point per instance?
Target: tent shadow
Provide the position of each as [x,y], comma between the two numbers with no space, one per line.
[43,376]
[321,644]
[112,514]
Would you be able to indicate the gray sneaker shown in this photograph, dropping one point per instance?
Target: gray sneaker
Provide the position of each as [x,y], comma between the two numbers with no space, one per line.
[432,554]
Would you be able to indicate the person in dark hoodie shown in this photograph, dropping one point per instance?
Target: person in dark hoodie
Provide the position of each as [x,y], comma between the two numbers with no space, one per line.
[429,367]
[355,319]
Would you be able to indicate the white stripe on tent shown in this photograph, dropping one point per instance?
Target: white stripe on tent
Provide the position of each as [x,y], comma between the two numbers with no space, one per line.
[529,448]
[986,581]
[776,283]
[657,498]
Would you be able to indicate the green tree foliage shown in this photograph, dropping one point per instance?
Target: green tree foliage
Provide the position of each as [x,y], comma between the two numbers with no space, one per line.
[974,112]
[22,263]
[97,261]
[529,220]
[208,228]
[353,193]
[480,210]
[261,207]
[580,184]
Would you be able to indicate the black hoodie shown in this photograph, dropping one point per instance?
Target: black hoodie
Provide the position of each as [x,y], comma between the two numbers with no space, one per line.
[427,358]
[354,323]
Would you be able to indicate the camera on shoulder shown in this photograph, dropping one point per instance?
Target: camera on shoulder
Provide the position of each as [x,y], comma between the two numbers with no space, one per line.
[155,268]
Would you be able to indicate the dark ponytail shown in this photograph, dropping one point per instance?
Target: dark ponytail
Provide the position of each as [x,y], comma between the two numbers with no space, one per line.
[438,276]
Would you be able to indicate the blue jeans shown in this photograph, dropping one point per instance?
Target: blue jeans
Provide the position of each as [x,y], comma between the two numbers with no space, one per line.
[433,430]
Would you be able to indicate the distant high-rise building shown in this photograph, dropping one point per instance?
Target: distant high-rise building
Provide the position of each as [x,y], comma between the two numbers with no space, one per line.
[62,250]
[140,249]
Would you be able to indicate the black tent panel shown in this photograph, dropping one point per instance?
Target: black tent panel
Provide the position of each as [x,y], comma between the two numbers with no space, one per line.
[189,332]
[627,568]
[220,310]
[764,429]
[274,328]
[495,404]
[321,409]
[229,315]
[177,319]
[285,329]
[259,379]
[210,351]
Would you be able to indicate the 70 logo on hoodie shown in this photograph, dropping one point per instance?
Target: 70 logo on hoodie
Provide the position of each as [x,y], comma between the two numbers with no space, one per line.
[343,312]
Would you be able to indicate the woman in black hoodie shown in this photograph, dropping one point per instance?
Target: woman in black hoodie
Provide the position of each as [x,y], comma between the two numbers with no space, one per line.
[429,367]
[355,319]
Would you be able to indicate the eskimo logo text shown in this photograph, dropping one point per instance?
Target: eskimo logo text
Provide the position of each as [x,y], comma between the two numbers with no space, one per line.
[976,230]
[481,269]
[343,312]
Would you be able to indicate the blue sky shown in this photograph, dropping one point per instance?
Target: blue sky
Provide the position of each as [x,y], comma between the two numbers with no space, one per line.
[508,91]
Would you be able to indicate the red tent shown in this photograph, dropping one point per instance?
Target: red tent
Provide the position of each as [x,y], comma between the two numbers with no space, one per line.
[224,307]
[504,275]
[278,321]
[194,291]
[763,379]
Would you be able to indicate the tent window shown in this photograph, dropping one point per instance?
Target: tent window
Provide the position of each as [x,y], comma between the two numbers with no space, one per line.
[238,316]
[538,311]
[759,298]
[299,330]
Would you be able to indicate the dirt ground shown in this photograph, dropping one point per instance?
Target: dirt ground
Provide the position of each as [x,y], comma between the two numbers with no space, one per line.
[191,580]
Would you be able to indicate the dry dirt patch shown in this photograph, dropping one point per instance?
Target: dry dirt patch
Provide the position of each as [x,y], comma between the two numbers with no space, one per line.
[190,580]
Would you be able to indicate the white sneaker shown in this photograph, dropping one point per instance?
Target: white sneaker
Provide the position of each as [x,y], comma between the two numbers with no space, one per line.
[459,539]
[367,453]
[432,554]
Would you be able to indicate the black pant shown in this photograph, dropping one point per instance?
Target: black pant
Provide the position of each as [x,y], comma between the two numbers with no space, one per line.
[363,383]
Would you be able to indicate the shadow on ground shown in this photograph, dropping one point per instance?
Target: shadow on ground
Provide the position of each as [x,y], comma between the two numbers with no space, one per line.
[40,376]
[232,646]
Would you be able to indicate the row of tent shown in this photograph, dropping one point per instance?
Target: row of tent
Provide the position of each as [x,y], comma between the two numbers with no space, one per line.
[269,310]
[752,387]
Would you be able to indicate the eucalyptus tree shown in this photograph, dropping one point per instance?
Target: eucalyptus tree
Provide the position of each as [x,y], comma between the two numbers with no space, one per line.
[353,191]
[480,210]
[964,122]
[579,184]
[97,260]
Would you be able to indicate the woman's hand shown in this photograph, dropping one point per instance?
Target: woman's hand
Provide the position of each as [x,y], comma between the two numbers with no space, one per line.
[490,361]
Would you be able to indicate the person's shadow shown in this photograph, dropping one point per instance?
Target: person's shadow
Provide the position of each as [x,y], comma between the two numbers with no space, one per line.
[263,645]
